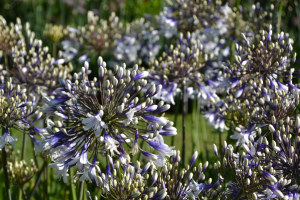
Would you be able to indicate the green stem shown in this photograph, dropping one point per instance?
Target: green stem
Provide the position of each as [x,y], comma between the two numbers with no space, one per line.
[54,49]
[6,180]
[6,61]
[38,180]
[220,142]
[20,193]
[72,185]
[45,179]
[62,12]
[238,4]
[279,16]
[140,153]
[183,125]
[176,117]
[24,146]
[81,190]
[85,196]
[195,118]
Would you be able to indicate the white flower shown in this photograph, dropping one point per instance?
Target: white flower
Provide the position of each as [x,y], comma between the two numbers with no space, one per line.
[242,135]
[62,170]
[130,113]
[95,123]
[6,138]
[110,144]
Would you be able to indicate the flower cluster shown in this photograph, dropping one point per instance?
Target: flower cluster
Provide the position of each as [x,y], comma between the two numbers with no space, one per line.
[105,117]
[150,182]
[260,78]
[14,108]
[10,35]
[93,39]
[139,43]
[182,66]
[20,173]
[55,33]
[189,15]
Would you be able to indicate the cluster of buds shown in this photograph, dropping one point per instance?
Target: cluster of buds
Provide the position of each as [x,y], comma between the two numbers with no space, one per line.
[182,66]
[259,19]
[259,84]
[34,69]
[140,42]
[247,176]
[268,60]
[103,117]
[55,33]
[11,155]
[10,35]
[190,15]
[14,109]
[93,39]
[149,182]
[282,154]
[20,173]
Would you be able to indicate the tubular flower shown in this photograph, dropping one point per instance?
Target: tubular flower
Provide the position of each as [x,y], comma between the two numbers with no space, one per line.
[103,117]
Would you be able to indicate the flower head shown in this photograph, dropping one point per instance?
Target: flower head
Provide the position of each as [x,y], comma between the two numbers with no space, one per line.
[103,117]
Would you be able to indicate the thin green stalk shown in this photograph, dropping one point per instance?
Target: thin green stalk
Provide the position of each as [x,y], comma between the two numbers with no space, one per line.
[24,146]
[183,125]
[20,194]
[45,187]
[279,16]
[5,61]
[84,195]
[62,12]
[80,195]
[176,117]
[195,119]
[34,157]
[73,191]
[38,180]
[238,4]
[140,152]
[54,47]
[6,180]
[198,118]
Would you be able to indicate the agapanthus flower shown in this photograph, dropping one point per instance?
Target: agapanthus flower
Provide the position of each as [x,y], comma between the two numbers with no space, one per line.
[282,155]
[93,39]
[266,58]
[181,67]
[250,175]
[139,43]
[189,15]
[261,77]
[104,117]
[14,110]
[31,66]
[167,182]
[214,37]
[20,173]
[54,33]
[10,35]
